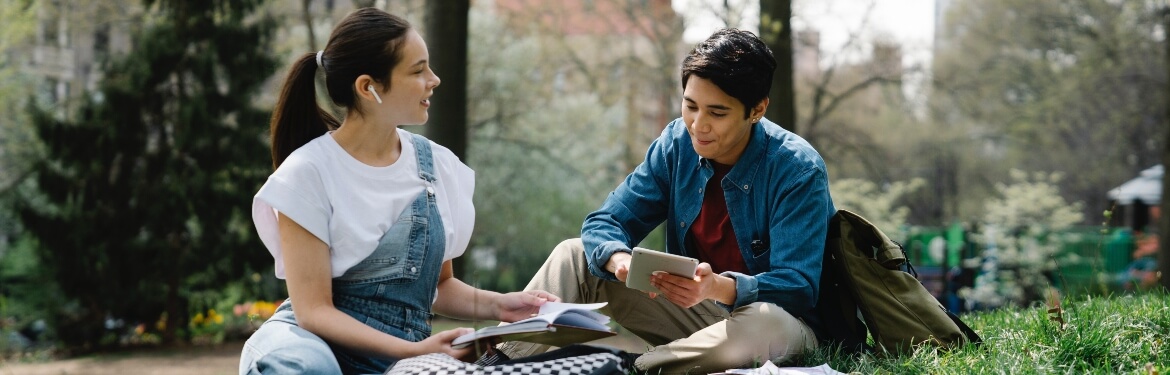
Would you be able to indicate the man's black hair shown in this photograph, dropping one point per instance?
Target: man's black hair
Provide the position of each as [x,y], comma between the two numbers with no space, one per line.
[736,61]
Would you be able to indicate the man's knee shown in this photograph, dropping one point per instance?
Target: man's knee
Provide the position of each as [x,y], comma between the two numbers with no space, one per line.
[569,253]
[570,248]
[766,317]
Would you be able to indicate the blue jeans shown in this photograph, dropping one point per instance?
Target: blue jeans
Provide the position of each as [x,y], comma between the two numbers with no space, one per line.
[280,347]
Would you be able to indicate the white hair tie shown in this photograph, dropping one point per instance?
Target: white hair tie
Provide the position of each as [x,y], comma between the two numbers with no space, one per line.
[319,63]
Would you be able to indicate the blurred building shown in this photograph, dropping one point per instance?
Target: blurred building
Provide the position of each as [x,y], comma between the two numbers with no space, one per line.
[1136,202]
[624,50]
[806,59]
[615,43]
[941,7]
[71,40]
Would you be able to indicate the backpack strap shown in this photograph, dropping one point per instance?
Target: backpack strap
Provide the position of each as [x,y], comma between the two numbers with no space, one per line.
[836,316]
[972,337]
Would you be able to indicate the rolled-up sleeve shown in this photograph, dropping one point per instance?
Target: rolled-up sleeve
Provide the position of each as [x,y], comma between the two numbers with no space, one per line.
[630,212]
[296,191]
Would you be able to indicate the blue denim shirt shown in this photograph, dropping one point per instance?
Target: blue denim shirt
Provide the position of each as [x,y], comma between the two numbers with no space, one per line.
[777,199]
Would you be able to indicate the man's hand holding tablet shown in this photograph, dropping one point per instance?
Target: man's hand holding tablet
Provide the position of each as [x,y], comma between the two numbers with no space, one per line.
[646,262]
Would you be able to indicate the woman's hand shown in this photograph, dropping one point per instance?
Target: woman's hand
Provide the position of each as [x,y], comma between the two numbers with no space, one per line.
[514,306]
[441,343]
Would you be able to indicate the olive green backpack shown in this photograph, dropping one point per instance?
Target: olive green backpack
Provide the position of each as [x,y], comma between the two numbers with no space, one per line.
[867,275]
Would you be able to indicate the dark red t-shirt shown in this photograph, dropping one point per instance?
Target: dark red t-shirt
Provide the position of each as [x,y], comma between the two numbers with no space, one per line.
[711,235]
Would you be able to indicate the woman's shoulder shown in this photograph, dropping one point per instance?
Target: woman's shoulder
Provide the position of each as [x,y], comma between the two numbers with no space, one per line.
[306,161]
[311,152]
[445,159]
[438,150]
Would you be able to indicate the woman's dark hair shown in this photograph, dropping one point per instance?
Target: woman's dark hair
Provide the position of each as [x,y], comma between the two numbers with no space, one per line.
[736,61]
[366,42]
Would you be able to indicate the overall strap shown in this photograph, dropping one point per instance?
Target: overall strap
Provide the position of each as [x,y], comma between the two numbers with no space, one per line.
[422,151]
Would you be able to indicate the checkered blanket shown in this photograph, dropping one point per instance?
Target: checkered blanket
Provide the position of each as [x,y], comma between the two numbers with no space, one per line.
[442,364]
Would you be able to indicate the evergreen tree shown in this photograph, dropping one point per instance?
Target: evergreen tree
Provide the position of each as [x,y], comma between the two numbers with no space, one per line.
[143,198]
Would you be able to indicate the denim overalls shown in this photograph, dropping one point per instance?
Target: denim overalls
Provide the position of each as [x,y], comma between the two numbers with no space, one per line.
[391,290]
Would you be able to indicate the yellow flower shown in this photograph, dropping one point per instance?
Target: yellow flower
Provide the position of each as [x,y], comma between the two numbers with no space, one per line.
[263,310]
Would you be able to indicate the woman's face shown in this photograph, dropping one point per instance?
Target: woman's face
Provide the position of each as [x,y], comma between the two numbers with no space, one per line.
[715,121]
[411,84]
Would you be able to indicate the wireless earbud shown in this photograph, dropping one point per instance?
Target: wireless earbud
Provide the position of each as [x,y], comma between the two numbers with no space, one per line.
[370,88]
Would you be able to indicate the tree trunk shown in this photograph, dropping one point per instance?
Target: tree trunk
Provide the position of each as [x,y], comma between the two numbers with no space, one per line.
[307,18]
[446,28]
[776,31]
[446,34]
[1163,217]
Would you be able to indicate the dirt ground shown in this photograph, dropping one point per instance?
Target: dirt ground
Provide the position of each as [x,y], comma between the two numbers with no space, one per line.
[209,360]
[198,360]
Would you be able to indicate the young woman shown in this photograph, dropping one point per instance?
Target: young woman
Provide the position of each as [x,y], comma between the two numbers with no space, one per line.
[363,218]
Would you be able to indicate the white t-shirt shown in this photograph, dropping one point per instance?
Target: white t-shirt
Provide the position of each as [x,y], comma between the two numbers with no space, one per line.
[349,205]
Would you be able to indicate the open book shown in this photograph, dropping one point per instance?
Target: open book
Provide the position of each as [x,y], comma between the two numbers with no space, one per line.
[558,324]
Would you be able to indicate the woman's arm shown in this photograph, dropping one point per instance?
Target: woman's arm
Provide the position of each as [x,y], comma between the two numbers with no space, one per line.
[461,301]
[309,280]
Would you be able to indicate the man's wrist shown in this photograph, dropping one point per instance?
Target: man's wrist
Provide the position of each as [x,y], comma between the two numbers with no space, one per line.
[617,258]
[725,292]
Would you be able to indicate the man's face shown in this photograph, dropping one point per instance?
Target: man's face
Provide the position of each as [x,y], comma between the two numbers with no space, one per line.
[715,121]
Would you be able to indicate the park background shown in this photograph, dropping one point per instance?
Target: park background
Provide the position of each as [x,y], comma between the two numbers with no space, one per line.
[133,135]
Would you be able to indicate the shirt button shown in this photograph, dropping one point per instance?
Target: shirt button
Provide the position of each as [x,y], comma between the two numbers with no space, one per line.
[430,190]
[745,187]
[700,190]
[409,331]
[413,269]
[682,224]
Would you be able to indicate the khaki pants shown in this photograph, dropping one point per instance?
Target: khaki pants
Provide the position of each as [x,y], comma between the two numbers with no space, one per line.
[702,339]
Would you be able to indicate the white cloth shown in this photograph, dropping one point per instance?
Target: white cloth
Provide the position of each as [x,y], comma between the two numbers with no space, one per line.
[768,368]
[349,205]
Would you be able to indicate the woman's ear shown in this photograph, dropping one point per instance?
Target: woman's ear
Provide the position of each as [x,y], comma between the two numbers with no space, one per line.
[361,88]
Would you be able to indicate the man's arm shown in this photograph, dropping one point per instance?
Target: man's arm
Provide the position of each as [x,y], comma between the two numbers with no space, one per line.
[637,206]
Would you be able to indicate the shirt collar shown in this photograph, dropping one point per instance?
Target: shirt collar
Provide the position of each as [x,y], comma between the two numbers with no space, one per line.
[744,171]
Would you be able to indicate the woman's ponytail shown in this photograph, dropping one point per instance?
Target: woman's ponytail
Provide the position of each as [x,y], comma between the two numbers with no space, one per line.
[297,119]
[365,42]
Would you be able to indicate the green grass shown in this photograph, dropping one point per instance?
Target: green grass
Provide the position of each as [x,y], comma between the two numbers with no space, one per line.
[1127,334]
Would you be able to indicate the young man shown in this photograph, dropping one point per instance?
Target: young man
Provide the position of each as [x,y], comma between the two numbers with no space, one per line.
[747,198]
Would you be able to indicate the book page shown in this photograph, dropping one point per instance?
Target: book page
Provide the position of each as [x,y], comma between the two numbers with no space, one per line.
[567,314]
[579,319]
[549,311]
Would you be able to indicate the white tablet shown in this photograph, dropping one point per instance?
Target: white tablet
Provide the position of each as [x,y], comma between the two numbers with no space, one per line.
[645,262]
